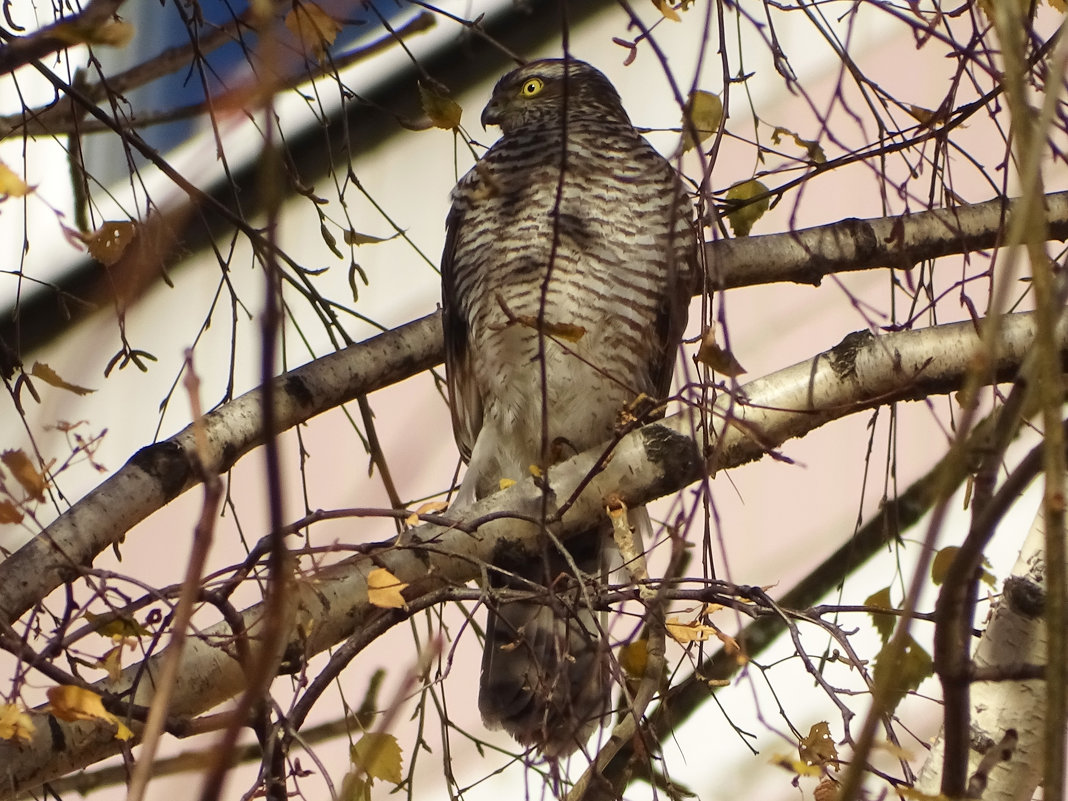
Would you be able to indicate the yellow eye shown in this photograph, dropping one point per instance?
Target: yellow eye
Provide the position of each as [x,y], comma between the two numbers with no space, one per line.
[532,87]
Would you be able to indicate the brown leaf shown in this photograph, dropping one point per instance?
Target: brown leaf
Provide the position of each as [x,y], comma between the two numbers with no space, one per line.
[812,148]
[50,376]
[25,473]
[722,361]
[315,29]
[818,748]
[356,238]
[108,242]
[9,513]
[441,110]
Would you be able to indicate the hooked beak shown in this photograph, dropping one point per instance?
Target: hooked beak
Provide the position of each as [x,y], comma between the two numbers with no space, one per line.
[491,114]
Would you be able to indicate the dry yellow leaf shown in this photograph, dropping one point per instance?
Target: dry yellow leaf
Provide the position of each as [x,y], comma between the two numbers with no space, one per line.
[428,508]
[818,747]
[50,376]
[10,184]
[441,110]
[15,723]
[108,242]
[665,8]
[384,589]
[718,358]
[378,755]
[315,29]
[112,663]
[77,703]
[686,633]
[795,765]
[811,147]
[25,473]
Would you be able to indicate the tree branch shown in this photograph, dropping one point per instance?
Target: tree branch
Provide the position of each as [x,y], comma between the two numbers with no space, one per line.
[862,372]
[157,474]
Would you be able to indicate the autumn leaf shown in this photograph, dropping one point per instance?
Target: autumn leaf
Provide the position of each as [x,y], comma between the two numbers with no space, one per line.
[740,214]
[315,29]
[353,237]
[25,473]
[633,657]
[428,508]
[665,8]
[15,723]
[818,747]
[384,589]
[378,755]
[354,787]
[884,624]
[795,765]
[9,513]
[10,183]
[120,627]
[441,110]
[718,358]
[686,633]
[108,242]
[50,376]
[812,148]
[77,703]
[703,115]
[112,663]
[911,668]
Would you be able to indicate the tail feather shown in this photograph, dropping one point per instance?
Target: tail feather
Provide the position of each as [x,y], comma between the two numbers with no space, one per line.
[545,666]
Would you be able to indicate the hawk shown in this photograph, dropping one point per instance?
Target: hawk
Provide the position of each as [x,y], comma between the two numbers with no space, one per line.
[566,276]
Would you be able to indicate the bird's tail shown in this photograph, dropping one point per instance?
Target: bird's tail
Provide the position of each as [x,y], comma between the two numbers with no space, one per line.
[545,666]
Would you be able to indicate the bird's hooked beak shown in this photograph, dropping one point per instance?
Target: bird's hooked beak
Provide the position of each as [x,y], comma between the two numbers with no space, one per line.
[491,114]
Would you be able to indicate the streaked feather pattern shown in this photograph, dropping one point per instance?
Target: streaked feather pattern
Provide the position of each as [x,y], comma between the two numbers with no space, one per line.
[569,223]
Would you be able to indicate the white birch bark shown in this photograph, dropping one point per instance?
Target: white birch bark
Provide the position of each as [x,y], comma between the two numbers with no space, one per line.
[862,372]
[1015,636]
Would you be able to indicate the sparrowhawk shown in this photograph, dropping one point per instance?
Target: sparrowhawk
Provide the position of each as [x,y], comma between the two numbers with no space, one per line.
[566,276]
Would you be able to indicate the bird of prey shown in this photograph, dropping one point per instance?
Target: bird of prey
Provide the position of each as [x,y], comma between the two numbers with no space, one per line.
[567,271]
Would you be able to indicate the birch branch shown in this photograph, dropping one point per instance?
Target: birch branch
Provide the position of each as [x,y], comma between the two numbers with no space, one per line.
[158,473]
[862,372]
[1014,639]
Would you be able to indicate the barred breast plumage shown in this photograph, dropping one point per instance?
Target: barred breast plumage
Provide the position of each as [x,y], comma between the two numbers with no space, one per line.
[566,274]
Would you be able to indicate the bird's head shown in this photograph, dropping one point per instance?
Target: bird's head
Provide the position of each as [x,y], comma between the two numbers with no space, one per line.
[538,93]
